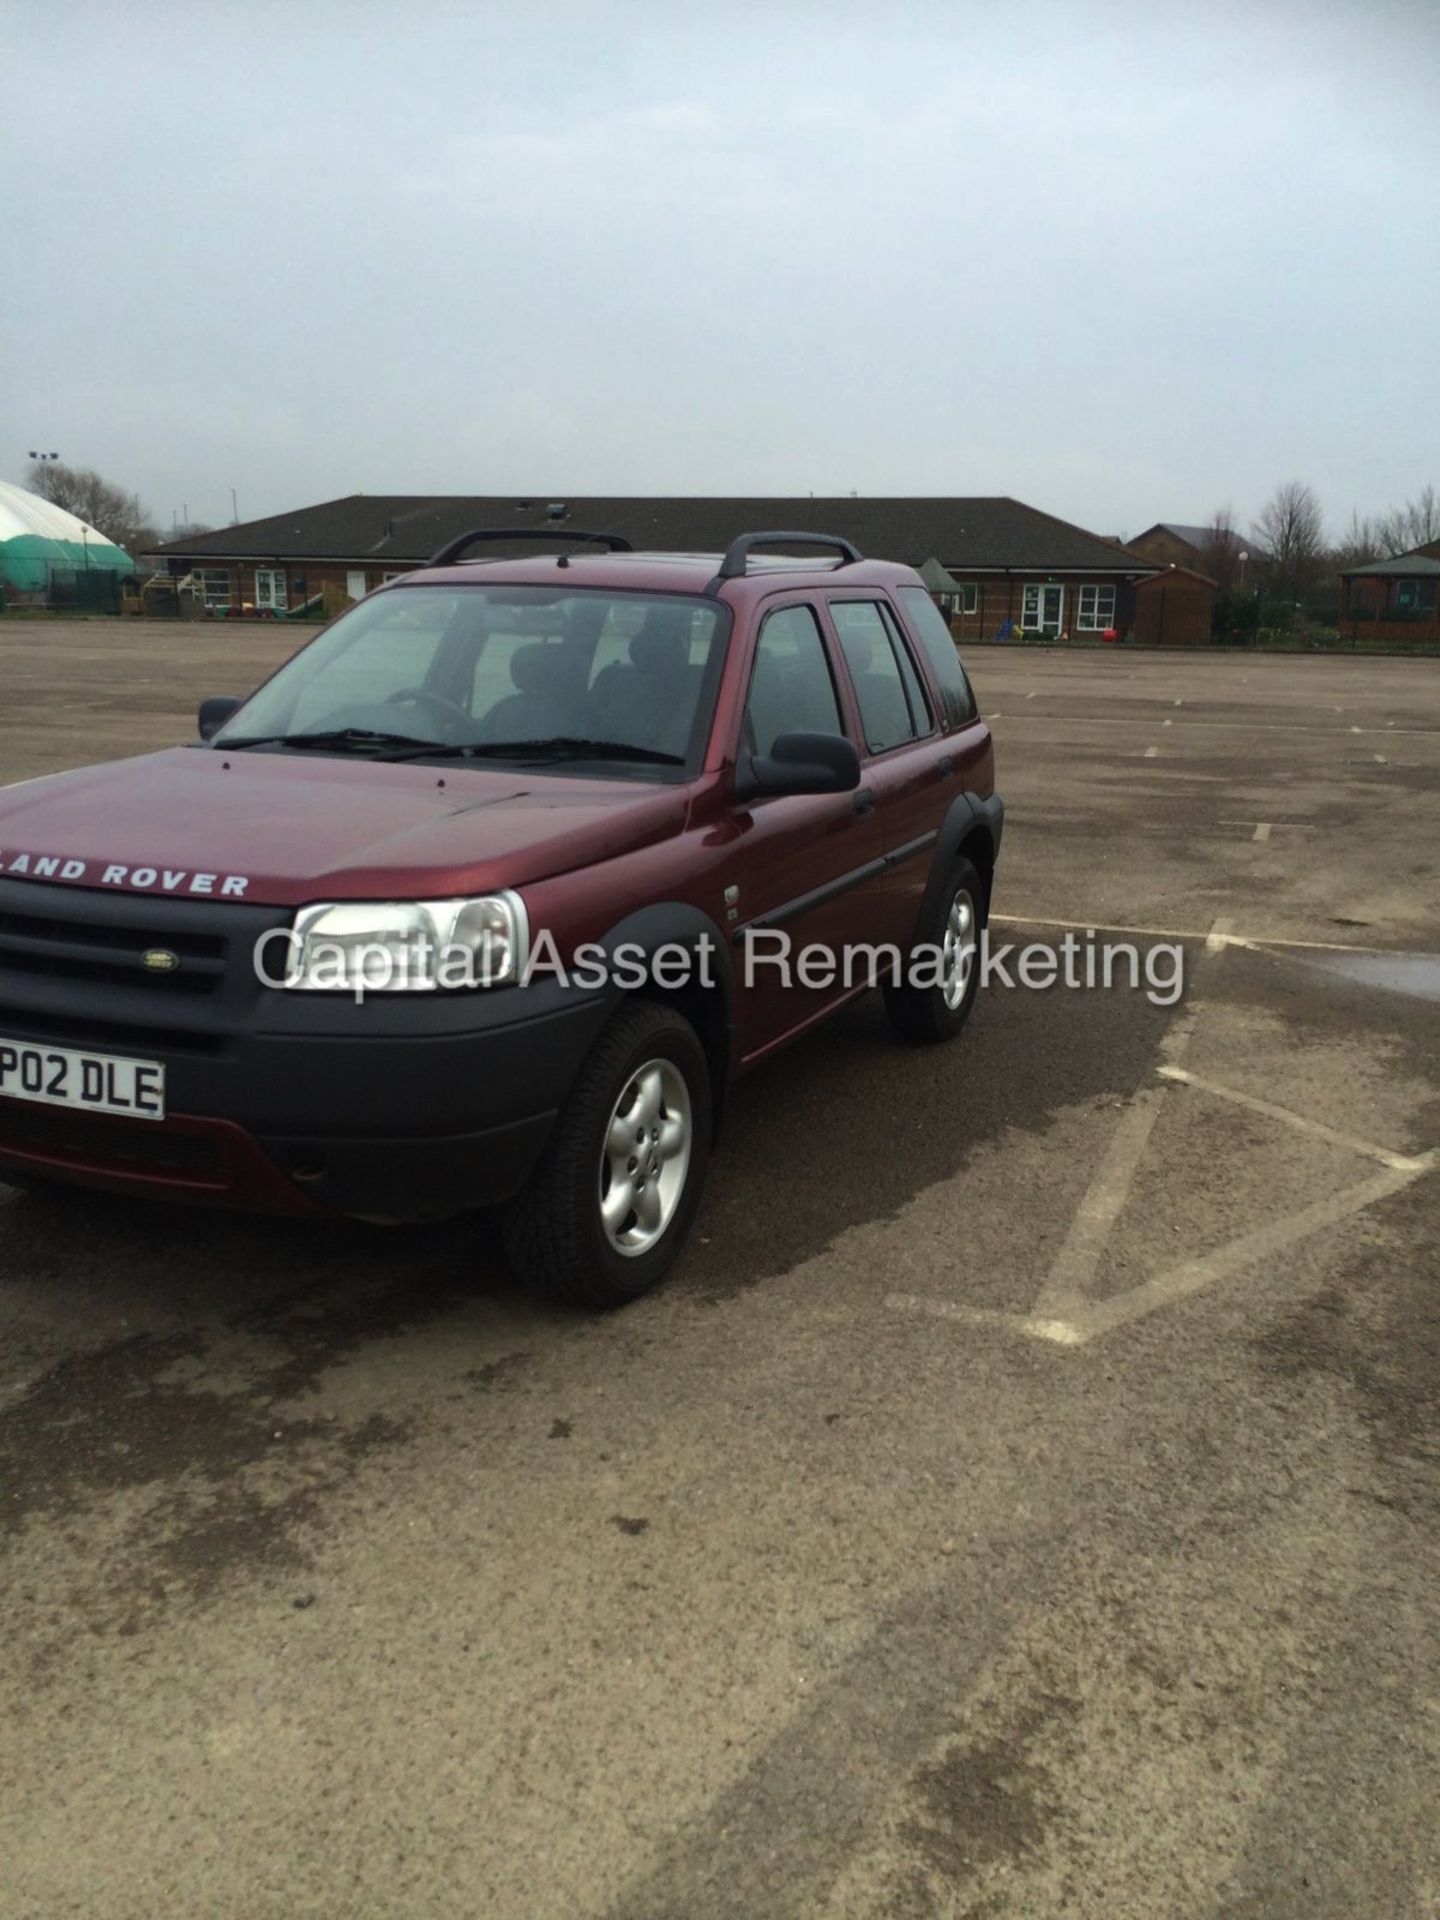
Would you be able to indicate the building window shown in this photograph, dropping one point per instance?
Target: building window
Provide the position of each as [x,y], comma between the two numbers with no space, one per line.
[967,600]
[270,589]
[1415,596]
[1097,609]
[213,586]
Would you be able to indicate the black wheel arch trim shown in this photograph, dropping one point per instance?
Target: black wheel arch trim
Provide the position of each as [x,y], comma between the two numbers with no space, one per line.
[678,923]
[969,815]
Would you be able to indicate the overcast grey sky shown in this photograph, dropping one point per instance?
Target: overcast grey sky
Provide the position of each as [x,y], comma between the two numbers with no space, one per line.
[1125,262]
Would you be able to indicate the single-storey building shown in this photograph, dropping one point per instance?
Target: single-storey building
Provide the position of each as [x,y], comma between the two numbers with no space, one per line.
[1009,566]
[1395,599]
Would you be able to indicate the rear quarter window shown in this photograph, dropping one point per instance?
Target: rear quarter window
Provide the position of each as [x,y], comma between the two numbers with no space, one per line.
[927,623]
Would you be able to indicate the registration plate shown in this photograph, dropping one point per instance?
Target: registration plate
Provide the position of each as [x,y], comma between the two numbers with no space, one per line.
[96,1082]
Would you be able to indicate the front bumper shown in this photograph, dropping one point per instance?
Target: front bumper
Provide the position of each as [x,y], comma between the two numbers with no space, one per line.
[406,1107]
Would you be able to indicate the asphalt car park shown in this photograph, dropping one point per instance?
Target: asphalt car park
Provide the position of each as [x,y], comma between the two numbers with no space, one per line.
[1021,1502]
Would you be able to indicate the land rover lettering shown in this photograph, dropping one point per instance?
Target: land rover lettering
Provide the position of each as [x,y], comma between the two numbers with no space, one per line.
[141,879]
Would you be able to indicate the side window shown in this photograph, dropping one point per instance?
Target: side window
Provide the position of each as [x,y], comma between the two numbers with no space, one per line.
[892,706]
[791,690]
[914,689]
[957,702]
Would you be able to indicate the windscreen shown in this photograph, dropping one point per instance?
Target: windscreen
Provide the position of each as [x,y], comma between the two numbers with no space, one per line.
[497,666]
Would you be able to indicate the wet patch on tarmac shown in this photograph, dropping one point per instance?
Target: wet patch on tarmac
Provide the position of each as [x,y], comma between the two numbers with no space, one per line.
[209,1481]
[980,1803]
[1414,974]
[1372,1338]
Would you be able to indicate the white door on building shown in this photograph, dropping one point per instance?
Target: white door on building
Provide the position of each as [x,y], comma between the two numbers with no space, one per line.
[355,585]
[270,589]
[1044,607]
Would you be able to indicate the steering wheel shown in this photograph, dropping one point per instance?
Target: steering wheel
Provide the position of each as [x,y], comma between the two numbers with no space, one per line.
[447,710]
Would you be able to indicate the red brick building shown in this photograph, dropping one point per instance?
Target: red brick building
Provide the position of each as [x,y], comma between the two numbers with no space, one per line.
[1012,566]
[1000,567]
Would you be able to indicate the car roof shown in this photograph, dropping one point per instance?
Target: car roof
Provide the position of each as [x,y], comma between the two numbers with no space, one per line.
[664,573]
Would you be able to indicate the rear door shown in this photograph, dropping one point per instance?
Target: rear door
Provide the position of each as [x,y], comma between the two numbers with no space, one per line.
[808,874]
[907,763]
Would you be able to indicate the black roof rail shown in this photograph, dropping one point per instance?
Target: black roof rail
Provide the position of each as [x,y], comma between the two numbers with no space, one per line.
[553,535]
[737,555]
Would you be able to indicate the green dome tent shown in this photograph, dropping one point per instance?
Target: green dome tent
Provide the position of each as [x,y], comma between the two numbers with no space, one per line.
[38,540]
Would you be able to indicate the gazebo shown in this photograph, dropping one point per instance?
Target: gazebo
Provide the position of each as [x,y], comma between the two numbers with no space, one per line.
[1397,599]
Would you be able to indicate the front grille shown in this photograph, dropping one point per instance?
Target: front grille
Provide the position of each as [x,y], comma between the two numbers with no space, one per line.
[106,1144]
[72,968]
[87,1030]
[111,953]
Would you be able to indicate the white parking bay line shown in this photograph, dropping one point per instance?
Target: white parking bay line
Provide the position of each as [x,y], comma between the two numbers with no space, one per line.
[1387,1156]
[1060,1332]
[1262,830]
[1074,1266]
[1218,937]
[1150,752]
[1075,720]
[1192,1276]
[1219,933]
[1079,1321]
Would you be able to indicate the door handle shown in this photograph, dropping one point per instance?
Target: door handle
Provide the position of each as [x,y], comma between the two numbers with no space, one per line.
[947,766]
[864,801]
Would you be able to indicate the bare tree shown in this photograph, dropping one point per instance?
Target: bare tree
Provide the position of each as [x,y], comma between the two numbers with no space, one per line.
[1221,549]
[97,501]
[1291,529]
[1415,524]
[1361,542]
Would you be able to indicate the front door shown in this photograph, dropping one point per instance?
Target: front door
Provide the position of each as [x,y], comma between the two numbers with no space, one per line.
[270,589]
[1044,609]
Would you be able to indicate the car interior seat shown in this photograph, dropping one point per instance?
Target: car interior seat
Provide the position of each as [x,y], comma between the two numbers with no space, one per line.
[542,702]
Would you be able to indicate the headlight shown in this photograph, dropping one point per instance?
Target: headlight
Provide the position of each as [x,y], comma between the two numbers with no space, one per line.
[393,946]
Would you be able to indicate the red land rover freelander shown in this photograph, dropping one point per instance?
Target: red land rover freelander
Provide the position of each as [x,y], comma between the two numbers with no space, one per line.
[487,895]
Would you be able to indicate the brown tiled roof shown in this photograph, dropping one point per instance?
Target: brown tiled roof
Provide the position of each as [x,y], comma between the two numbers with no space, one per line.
[963,533]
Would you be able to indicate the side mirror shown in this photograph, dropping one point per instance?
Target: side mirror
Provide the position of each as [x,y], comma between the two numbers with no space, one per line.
[215,711]
[801,763]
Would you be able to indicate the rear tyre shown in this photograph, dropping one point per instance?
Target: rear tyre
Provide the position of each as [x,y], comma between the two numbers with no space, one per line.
[946,954]
[608,1208]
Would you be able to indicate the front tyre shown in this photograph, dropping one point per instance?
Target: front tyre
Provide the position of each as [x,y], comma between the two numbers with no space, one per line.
[610,1204]
[947,948]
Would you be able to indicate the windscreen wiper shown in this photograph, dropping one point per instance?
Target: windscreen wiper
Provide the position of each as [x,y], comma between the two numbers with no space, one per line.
[334,737]
[558,746]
